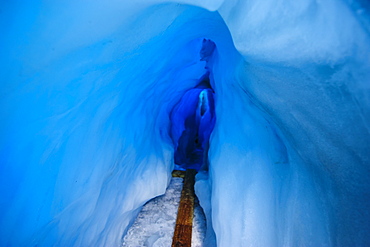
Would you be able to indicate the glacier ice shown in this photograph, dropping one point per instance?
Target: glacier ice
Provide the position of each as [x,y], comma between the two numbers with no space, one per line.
[155,224]
[87,89]
[192,121]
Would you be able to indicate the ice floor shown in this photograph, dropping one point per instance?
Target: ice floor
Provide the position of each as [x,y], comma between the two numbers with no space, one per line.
[155,224]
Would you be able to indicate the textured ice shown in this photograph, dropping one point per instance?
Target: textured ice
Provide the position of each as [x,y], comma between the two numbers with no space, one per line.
[86,93]
[155,223]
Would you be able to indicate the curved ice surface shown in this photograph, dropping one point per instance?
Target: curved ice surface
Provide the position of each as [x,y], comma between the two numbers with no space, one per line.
[86,91]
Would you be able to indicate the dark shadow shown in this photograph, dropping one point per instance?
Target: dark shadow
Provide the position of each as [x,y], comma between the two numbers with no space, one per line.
[193,119]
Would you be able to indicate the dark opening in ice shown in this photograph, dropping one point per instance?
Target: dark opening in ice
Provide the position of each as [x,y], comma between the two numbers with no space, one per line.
[195,115]
[193,118]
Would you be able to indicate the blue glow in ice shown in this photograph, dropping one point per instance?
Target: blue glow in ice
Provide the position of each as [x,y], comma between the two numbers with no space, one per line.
[193,119]
[89,92]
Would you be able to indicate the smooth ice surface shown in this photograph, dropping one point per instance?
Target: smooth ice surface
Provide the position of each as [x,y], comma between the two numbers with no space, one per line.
[155,223]
[86,94]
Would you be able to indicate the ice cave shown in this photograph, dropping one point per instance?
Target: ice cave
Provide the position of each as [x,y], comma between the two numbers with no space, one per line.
[96,97]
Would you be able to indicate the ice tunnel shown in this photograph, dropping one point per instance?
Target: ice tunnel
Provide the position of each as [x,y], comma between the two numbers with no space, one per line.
[90,91]
[192,121]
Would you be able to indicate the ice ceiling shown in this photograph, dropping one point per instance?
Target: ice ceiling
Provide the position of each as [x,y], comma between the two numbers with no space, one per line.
[87,88]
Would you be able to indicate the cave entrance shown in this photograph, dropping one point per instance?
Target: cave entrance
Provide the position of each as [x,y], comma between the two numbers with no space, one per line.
[193,119]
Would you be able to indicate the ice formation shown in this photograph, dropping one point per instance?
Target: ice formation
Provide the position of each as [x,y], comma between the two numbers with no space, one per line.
[192,121]
[87,88]
[156,222]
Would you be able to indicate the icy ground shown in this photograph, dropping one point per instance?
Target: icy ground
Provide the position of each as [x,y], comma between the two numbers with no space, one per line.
[155,224]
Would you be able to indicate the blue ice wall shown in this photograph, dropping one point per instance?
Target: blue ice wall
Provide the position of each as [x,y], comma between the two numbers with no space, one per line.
[86,94]
[85,115]
[191,131]
[307,68]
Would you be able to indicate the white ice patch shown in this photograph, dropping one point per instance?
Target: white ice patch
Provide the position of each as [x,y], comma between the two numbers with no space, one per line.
[155,224]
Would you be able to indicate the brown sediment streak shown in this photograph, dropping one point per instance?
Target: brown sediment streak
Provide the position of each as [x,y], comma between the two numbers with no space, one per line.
[184,222]
[178,174]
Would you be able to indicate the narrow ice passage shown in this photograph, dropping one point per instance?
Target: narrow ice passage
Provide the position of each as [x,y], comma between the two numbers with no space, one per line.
[88,91]
[192,121]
